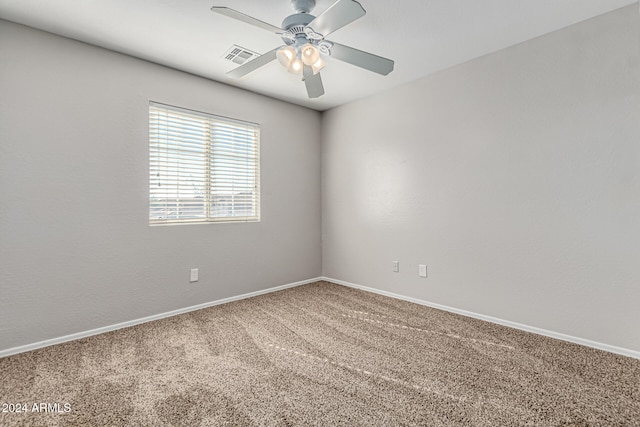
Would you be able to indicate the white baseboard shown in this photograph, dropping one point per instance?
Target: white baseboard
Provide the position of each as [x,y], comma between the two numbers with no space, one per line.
[527,328]
[79,335]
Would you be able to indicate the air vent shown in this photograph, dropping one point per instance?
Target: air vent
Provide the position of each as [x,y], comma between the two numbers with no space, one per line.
[239,55]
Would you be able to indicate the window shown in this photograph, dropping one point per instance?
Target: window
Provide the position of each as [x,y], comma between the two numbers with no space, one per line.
[202,168]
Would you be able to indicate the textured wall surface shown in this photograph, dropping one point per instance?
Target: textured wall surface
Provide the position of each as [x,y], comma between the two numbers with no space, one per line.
[76,250]
[515,177]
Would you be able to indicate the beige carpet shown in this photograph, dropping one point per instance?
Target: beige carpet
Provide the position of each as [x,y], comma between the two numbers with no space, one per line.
[320,354]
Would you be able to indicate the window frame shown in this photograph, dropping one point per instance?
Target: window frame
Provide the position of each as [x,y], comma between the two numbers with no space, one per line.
[210,144]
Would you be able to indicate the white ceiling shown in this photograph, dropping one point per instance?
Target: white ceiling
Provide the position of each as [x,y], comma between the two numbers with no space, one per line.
[422,36]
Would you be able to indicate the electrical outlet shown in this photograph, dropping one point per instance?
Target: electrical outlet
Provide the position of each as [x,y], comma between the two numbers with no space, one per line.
[396,266]
[422,270]
[194,275]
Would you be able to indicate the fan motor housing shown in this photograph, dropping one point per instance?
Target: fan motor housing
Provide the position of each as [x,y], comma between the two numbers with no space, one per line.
[294,26]
[297,20]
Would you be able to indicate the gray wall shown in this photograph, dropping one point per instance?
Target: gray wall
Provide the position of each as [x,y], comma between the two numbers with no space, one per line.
[76,250]
[515,177]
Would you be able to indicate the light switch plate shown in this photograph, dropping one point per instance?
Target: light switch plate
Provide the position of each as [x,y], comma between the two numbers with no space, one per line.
[422,270]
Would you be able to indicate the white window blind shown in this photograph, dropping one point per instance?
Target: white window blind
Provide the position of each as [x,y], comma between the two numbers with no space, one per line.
[202,168]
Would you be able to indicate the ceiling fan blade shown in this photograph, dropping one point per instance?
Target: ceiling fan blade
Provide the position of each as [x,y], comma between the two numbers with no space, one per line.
[313,82]
[253,65]
[231,13]
[361,59]
[337,16]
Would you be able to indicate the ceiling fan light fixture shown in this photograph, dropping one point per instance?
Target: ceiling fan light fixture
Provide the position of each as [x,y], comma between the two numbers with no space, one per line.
[310,54]
[304,40]
[317,66]
[296,66]
[286,55]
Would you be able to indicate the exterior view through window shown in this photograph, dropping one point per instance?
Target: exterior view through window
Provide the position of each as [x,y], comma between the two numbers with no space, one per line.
[202,168]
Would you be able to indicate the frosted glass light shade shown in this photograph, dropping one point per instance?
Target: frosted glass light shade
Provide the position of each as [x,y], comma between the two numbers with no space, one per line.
[317,66]
[310,54]
[296,66]
[286,55]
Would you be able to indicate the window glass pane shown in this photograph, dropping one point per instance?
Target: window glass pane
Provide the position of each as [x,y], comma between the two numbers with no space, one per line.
[202,167]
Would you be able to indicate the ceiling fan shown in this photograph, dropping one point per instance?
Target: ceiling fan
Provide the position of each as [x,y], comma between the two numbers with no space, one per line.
[304,42]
